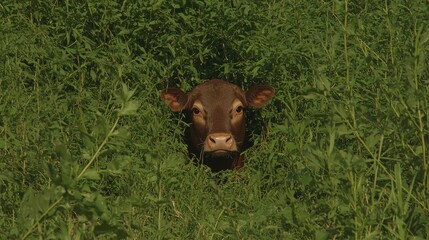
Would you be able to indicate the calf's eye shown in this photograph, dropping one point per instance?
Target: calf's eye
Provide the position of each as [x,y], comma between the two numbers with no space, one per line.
[195,111]
[239,109]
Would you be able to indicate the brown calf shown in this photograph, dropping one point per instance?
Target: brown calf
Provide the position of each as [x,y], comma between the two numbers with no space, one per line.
[215,111]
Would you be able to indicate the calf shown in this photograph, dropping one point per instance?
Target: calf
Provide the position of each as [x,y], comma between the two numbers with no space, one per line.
[215,112]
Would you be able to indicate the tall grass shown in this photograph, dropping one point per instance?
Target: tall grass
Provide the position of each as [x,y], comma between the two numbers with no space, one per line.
[88,149]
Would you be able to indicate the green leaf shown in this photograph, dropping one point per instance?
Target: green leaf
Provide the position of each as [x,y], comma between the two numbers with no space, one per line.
[321,235]
[130,108]
[91,174]
[125,94]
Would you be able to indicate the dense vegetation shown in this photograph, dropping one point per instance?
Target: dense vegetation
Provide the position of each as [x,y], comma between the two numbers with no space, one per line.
[88,150]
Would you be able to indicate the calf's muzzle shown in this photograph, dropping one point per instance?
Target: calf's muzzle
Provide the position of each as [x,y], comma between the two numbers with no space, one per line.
[218,143]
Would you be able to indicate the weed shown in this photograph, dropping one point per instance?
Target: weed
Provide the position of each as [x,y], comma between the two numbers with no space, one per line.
[341,152]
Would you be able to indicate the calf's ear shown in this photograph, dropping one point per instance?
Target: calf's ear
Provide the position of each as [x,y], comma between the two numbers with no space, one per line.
[259,95]
[175,98]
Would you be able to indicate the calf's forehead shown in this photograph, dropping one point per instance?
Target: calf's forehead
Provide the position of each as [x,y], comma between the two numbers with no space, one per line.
[217,93]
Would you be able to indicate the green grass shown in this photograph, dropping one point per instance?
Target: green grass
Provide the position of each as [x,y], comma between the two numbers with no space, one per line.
[88,149]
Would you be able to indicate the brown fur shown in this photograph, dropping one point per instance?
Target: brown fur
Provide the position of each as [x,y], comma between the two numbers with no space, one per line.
[215,111]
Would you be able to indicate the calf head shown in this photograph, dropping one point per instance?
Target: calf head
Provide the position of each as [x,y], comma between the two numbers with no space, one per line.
[215,111]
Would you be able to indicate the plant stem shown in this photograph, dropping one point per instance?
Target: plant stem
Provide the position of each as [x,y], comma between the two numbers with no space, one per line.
[106,139]
[423,142]
[30,230]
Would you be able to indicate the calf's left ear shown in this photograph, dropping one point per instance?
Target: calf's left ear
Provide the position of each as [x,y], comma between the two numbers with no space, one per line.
[175,98]
[259,95]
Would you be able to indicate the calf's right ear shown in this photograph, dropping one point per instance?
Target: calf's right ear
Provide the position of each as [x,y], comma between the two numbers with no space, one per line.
[175,98]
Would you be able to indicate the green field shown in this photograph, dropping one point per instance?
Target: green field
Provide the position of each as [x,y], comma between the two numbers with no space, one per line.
[88,150]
